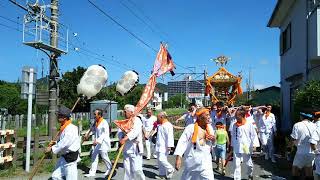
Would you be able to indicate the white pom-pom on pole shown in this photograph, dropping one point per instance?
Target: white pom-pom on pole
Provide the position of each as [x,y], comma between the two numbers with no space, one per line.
[92,81]
[127,82]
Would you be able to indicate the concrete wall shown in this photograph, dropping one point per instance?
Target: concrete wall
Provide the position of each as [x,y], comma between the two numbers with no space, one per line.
[294,60]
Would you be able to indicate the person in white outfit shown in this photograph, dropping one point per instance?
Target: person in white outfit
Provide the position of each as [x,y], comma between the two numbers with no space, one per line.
[301,135]
[242,139]
[250,119]
[219,115]
[148,122]
[267,130]
[67,146]
[315,145]
[195,146]
[189,117]
[101,144]
[165,141]
[133,148]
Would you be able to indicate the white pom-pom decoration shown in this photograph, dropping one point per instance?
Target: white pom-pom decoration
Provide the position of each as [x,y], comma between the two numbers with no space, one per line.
[127,82]
[92,81]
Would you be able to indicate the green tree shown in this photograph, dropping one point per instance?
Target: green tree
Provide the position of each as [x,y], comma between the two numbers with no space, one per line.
[307,98]
[176,101]
[10,98]
[68,88]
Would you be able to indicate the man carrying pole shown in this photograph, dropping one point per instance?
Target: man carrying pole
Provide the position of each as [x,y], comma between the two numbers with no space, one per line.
[67,146]
[101,143]
[133,148]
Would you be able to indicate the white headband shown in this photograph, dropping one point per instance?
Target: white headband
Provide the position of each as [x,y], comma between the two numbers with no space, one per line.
[129,107]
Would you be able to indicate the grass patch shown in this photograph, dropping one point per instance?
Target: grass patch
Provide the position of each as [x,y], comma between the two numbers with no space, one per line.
[22,132]
[175,111]
[10,171]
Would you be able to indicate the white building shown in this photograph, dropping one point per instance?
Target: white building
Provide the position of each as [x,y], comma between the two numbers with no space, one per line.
[299,25]
[156,101]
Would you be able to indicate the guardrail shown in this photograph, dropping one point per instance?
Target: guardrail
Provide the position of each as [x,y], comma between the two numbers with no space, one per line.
[113,137]
[6,146]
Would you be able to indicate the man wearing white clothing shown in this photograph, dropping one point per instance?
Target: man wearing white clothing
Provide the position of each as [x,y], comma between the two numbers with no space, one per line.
[301,135]
[133,148]
[189,117]
[195,144]
[67,146]
[267,130]
[242,139]
[148,122]
[315,145]
[165,142]
[101,143]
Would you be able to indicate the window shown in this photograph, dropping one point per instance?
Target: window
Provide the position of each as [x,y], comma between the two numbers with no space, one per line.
[285,40]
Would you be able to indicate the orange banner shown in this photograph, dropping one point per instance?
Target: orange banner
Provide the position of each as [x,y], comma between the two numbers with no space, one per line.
[163,64]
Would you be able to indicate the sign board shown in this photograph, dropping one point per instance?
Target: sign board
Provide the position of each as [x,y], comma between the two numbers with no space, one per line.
[25,82]
[195,95]
[42,98]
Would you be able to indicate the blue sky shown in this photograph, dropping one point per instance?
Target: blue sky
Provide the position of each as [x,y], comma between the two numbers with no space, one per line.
[196,32]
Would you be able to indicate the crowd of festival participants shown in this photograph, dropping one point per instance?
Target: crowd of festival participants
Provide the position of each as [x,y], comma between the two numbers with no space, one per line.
[217,135]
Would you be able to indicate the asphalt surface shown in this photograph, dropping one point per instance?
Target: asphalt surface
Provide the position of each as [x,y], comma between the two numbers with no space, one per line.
[263,169]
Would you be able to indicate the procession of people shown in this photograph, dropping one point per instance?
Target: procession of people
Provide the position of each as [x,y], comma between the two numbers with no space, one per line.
[212,138]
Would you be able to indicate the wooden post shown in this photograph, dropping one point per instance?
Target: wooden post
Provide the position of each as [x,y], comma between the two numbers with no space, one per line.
[16,139]
[36,145]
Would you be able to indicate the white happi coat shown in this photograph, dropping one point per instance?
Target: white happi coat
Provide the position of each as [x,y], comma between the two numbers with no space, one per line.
[267,127]
[102,136]
[165,140]
[242,138]
[69,141]
[189,119]
[197,160]
[165,137]
[315,139]
[132,152]
[256,142]
[148,123]
[215,119]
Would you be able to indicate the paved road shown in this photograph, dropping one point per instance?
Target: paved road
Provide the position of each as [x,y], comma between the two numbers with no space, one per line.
[262,170]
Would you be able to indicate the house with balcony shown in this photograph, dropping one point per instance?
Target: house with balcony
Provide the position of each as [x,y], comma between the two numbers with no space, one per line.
[298,22]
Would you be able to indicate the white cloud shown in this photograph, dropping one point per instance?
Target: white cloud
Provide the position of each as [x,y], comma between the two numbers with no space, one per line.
[259,86]
[264,62]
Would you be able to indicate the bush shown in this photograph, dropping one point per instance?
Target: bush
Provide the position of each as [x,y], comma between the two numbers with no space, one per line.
[307,98]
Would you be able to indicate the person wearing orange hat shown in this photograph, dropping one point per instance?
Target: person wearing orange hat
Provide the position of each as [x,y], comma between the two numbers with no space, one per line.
[242,140]
[67,146]
[195,144]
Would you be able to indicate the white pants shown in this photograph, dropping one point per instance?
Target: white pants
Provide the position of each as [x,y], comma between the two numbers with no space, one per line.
[95,160]
[163,164]
[148,147]
[267,144]
[132,164]
[237,164]
[206,174]
[69,170]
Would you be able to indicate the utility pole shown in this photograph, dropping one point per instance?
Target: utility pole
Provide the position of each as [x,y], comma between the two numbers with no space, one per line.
[36,19]
[54,74]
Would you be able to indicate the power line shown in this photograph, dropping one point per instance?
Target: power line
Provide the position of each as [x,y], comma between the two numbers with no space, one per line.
[11,20]
[9,27]
[127,30]
[138,17]
[147,17]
